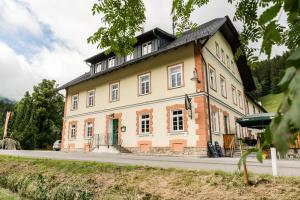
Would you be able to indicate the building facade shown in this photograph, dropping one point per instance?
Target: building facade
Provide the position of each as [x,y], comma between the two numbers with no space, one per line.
[170,96]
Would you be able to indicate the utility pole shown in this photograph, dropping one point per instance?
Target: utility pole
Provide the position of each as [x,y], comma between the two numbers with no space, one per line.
[6,124]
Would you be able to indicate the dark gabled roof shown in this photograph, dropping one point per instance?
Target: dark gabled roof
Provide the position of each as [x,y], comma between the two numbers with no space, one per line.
[204,31]
[156,31]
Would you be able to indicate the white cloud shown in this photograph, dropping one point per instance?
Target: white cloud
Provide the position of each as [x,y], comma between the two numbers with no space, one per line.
[16,15]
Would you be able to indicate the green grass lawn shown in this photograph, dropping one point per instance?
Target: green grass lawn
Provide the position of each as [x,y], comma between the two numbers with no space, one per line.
[271,101]
[69,180]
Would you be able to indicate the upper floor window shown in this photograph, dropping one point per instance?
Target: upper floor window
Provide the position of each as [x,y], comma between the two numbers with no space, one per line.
[147,48]
[223,56]
[89,129]
[228,61]
[247,107]
[234,95]
[175,76]
[212,78]
[145,123]
[240,99]
[74,102]
[177,120]
[129,57]
[253,109]
[111,62]
[223,87]
[98,67]
[232,66]
[90,98]
[144,84]
[114,91]
[216,121]
[217,49]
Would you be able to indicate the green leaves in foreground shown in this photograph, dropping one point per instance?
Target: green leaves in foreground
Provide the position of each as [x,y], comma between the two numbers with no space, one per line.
[120,22]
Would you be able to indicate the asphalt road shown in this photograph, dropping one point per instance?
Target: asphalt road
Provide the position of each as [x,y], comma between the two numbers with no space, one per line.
[285,167]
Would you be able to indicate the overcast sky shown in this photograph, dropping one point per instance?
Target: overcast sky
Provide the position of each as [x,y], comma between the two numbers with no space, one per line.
[47,38]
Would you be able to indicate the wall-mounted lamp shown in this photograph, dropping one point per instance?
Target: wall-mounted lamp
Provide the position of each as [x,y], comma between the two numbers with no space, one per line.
[123,129]
[112,116]
[195,76]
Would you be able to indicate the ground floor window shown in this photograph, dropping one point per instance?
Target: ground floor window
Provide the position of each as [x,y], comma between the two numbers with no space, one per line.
[73,130]
[177,120]
[89,129]
[216,121]
[145,123]
[226,124]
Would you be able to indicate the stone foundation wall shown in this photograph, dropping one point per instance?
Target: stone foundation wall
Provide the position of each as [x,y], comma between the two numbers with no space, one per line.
[193,151]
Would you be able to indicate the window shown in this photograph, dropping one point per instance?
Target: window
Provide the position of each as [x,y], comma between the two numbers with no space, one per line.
[144,84]
[223,56]
[217,50]
[89,129]
[216,121]
[74,104]
[90,98]
[238,130]
[177,120]
[114,92]
[240,99]
[232,66]
[98,67]
[175,76]
[212,78]
[73,130]
[226,124]
[253,109]
[129,57]
[147,48]
[145,123]
[228,61]
[234,95]
[111,62]
[223,87]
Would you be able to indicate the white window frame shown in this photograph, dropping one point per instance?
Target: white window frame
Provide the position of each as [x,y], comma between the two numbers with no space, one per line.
[89,129]
[144,122]
[216,127]
[147,48]
[90,98]
[223,86]
[212,78]
[171,74]
[98,67]
[129,56]
[178,117]
[240,99]
[73,131]
[223,55]
[226,124]
[74,104]
[234,95]
[217,49]
[145,84]
[111,62]
[228,61]
[114,92]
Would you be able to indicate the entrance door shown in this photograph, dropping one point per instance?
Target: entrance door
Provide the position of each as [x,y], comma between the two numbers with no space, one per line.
[115,128]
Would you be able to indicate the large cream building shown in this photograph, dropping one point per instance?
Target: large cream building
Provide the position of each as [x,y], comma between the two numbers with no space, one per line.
[140,102]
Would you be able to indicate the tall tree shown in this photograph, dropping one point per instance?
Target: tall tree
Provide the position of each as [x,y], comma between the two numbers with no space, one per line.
[37,119]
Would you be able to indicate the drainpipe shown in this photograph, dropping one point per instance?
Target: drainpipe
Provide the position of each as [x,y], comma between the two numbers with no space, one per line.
[207,88]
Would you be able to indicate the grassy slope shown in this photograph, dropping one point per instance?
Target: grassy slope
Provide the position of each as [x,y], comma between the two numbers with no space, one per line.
[271,101]
[6,195]
[41,178]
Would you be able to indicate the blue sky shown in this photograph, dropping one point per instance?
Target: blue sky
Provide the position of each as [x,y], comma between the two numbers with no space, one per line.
[47,38]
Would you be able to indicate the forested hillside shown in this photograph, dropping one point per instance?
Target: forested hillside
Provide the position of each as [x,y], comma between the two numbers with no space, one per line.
[267,75]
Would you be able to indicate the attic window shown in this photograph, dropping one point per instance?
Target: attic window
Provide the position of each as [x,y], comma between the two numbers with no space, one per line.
[147,48]
[111,62]
[97,67]
[129,57]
